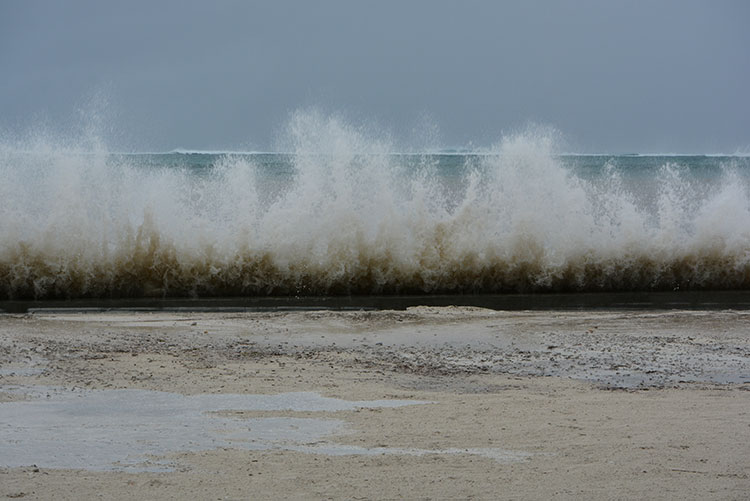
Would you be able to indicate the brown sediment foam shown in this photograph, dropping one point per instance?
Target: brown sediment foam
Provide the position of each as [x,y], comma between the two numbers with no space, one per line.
[155,269]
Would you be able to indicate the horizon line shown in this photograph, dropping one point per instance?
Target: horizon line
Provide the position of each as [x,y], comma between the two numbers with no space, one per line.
[443,152]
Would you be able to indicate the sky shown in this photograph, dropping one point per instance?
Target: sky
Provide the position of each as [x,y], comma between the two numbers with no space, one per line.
[615,77]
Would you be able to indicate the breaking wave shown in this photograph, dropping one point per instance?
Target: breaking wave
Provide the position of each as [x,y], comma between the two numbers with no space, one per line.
[341,215]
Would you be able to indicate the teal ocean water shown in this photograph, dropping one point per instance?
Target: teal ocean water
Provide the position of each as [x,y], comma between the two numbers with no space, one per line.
[347,216]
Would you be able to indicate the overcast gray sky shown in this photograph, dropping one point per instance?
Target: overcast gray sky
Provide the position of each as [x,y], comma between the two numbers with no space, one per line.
[610,76]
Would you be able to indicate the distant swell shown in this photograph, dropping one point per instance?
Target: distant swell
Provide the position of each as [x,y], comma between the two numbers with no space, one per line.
[348,218]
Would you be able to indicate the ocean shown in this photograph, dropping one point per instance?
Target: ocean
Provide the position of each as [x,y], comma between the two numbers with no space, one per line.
[353,218]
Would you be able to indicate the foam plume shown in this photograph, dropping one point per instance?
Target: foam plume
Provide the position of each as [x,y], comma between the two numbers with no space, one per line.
[341,215]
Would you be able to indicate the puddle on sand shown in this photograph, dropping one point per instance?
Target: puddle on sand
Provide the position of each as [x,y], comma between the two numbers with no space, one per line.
[30,368]
[128,430]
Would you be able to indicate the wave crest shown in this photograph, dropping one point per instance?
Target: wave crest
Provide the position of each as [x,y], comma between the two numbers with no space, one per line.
[342,216]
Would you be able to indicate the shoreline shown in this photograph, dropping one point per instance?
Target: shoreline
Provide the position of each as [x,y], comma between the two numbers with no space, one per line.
[618,300]
[627,403]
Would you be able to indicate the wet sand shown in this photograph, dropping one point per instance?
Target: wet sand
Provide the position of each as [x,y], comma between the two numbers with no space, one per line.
[499,405]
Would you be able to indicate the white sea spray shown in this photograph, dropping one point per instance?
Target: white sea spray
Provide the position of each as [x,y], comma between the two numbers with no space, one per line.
[351,217]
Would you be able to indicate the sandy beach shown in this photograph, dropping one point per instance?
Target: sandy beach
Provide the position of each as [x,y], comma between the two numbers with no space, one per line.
[424,403]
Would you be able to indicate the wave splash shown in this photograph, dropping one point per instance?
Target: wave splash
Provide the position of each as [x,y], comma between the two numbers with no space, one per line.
[350,218]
